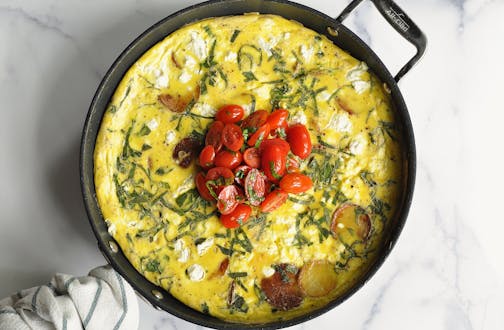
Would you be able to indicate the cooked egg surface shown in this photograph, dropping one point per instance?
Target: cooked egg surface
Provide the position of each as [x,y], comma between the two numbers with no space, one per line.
[175,239]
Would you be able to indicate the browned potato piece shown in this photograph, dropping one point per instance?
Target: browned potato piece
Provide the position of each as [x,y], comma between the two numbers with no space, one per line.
[317,278]
[353,219]
[282,289]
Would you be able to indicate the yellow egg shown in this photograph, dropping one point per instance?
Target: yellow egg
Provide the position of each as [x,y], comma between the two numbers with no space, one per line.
[173,237]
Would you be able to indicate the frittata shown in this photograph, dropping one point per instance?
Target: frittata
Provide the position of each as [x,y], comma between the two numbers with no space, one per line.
[319,241]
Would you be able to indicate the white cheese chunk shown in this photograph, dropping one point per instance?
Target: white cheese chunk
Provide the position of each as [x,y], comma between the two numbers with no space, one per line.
[187,184]
[196,273]
[204,246]
[358,145]
[286,35]
[298,118]
[152,124]
[267,45]
[185,77]
[340,122]
[263,91]
[356,72]
[361,86]
[112,230]
[198,45]
[324,95]
[268,271]
[162,81]
[170,137]
[204,109]
[230,57]
[179,245]
[184,255]
[306,52]
[190,62]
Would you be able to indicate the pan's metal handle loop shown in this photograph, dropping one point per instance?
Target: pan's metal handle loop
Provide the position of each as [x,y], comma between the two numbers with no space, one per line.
[401,23]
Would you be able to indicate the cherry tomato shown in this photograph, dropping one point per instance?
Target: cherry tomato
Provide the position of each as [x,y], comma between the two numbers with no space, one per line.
[295,183]
[236,218]
[255,120]
[241,173]
[230,114]
[252,158]
[255,187]
[278,119]
[284,146]
[207,156]
[260,135]
[214,135]
[232,137]
[227,200]
[273,162]
[203,190]
[220,173]
[299,140]
[274,200]
[228,158]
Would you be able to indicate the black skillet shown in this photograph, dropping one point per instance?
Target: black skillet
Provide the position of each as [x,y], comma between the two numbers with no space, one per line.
[334,30]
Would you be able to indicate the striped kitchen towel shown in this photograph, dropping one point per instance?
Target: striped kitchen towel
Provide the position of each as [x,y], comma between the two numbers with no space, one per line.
[103,300]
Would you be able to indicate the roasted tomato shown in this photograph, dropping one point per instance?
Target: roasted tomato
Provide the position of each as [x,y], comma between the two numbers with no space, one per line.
[214,135]
[293,163]
[186,150]
[200,181]
[295,183]
[228,199]
[282,289]
[255,120]
[232,137]
[353,220]
[273,161]
[236,218]
[241,173]
[252,158]
[260,135]
[255,187]
[230,114]
[278,119]
[229,159]
[273,200]
[207,157]
[317,278]
[299,140]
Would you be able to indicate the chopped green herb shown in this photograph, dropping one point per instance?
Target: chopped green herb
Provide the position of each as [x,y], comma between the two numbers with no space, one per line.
[237,274]
[234,36]
[249,76]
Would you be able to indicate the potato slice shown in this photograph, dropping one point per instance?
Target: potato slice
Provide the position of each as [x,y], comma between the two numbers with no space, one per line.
[352,219]
[317,278]
[282,289]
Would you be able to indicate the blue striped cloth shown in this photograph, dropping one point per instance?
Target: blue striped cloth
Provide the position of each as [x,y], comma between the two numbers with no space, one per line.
[102,300]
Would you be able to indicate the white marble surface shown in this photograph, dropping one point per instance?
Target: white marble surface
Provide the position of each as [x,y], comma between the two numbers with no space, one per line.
[447,270]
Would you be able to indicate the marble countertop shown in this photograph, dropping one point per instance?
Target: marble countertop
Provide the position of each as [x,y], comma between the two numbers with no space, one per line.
[447,269]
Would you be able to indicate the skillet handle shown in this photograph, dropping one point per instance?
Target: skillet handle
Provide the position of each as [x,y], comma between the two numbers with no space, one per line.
[401,23]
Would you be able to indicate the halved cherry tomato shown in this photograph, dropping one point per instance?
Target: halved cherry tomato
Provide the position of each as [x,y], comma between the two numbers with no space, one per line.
[273,200]
[284,146]
[273,163]
[255,120]
[252,158]
[203,190]
[241,173]
[236,218]
[228,158]
[255,187]
[232,137]
[278,118]
[295,183]
[207,156]
[227,200]
[293,163]
[230,114]
[260,135]
[299,140]
[214,135]
[223,173]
